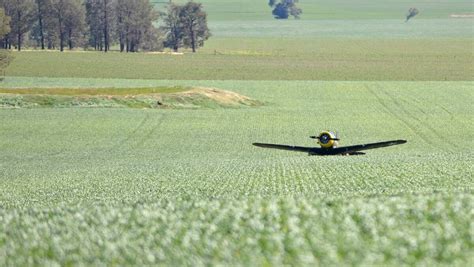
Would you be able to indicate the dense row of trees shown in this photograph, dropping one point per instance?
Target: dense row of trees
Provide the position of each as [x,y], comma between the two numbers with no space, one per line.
[4,29]
[129,25]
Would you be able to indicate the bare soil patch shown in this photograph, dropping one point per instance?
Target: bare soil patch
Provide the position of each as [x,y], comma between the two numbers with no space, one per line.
[462,16]
[163,98]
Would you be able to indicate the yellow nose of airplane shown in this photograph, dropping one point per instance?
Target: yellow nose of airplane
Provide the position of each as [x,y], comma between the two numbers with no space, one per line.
[327,139]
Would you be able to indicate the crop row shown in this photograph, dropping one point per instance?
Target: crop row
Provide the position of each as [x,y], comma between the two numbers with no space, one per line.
[423,229]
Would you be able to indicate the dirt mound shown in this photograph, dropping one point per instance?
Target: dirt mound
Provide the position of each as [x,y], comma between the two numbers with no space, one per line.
[462,16]
[205,97]
[163,98]
[222,97]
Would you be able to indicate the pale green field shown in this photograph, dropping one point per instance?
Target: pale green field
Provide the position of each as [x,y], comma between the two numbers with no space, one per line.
[120,186]
[431,48]
[338,28]
[269,59]
[127,186]
[245,10]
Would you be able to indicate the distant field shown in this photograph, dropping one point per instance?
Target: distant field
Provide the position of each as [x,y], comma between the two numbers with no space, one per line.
[374,45]
[346,28]
[269,59]
[337,9]
[186,186]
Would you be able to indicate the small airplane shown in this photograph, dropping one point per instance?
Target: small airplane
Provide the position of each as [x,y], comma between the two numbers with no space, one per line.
[329,146]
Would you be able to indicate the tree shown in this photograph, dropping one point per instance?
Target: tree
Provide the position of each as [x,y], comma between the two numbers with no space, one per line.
[41,10]
[411,13]
[153,40]
[4,23]
[285,8]
[44,30]
[55,24]
[123,14]
[22,14]
[100,16]
[70,17]
[7,6]
[94,22]
[135,24]
[107,22]
[173,28]
[58,8]
[75,23]
[194,21]
[185,25]
[5,56]
[50,28]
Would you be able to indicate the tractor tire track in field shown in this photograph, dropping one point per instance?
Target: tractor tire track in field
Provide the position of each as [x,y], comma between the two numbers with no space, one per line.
[153,129]
[452,117]
[402,119]
[460,124]
[134,132]
[141,133]
[421,122]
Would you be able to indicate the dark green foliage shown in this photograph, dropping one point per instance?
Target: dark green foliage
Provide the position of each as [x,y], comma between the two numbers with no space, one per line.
[194,21]
[69,17]
[22,14]
[280,11]
[44,30]
[59,24]
[285,8]
[173,28]
[185,25]
[4,23]
[411,13]
[135,28]
[100,18]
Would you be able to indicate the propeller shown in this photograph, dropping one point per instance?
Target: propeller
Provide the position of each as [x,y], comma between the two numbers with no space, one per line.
[319,138]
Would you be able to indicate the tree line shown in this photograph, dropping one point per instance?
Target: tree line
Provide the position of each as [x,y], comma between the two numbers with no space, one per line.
[127,25]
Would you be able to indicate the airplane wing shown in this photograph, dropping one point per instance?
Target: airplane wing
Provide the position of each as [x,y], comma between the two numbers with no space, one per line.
[356,148]
[284,147]
[350,150]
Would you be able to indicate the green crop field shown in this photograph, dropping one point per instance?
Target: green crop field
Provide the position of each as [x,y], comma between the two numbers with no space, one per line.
[245,10]
[256,59]
[428,48]
[128,186]
[100,184]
